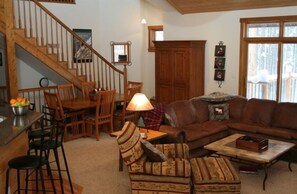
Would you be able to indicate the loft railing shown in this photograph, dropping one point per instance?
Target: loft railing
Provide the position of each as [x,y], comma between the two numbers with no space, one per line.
[35,95]
[50,32]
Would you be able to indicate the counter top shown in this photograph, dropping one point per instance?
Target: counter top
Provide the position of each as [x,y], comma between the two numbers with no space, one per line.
[11,126]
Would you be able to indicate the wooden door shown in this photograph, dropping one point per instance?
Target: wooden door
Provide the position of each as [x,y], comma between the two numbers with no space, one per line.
[180,73]
[164,75]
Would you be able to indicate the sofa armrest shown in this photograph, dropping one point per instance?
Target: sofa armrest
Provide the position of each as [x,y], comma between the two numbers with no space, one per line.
[177,150]
[174,168]
[174,134]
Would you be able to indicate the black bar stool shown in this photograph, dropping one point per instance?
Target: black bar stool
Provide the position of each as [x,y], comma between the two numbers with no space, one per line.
[30,163]
[54,143]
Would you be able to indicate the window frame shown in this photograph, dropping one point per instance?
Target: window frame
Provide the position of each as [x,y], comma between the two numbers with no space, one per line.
[245,41]
[152,36]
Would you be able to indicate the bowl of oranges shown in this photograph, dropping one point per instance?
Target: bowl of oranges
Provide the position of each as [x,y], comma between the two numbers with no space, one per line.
[20,106]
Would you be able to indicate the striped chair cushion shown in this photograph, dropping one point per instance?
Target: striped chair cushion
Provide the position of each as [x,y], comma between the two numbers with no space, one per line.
[214,174]
[178,150]
[174,167]
[129,144]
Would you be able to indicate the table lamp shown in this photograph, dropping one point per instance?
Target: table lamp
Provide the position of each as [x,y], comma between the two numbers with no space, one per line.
[139,103]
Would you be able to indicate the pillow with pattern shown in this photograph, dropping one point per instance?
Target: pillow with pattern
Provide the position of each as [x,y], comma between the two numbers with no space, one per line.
[152,153]
[218,112]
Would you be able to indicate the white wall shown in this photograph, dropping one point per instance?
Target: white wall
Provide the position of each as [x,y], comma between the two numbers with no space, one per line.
[215,27]
[110,20]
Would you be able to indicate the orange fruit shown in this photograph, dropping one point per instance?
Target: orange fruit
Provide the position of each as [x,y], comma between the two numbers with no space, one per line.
[19,99]
[12,101]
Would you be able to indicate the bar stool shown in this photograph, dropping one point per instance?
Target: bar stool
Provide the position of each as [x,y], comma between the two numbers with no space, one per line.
[54,143]
[30,163]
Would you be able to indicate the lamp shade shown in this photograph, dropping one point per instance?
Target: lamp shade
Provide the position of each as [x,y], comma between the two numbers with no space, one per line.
[139,102]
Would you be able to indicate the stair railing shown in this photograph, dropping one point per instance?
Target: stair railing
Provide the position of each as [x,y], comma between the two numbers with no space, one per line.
[52,33]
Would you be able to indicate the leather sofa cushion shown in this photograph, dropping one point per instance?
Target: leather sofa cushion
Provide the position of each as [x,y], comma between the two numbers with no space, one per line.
[252,128]
[259,111]
[181,113]
[200,130]
[201,107]
[279,132]
[285,116]
[235,107]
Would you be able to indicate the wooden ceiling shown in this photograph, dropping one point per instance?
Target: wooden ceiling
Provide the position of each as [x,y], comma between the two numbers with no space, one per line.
[198,6]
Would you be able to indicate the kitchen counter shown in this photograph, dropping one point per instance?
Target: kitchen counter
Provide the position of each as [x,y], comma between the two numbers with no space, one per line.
[11,126]
[13,139]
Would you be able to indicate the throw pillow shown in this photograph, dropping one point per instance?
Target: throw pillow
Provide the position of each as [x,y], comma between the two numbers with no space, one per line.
[152,153]
[218,112]
[153,118]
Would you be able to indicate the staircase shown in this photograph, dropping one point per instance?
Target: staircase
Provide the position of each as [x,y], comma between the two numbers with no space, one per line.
[43,35]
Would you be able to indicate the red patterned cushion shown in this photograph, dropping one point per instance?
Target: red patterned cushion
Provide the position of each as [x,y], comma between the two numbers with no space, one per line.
[152,119]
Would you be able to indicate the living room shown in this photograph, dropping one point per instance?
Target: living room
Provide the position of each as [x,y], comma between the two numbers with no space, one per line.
[119,21]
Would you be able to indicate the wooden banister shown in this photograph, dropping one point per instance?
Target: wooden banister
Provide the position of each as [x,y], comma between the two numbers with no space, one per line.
[47,32]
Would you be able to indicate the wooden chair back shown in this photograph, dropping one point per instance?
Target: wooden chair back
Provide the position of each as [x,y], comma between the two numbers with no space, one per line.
[53,101]
[103,115]
[128,115]
[66,91]
[87,87]
[105,104]
[132,84]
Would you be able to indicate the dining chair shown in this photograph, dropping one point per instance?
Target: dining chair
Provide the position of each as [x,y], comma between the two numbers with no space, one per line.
[134,84]
[122,115]
[66,91]
[87,87]
[74,125]
[103,114]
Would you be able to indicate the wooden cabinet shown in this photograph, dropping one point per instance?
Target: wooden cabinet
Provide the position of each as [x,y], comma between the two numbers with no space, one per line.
[179,69]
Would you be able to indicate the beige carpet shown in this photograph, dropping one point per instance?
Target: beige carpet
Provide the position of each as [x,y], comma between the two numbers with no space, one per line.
[94,165]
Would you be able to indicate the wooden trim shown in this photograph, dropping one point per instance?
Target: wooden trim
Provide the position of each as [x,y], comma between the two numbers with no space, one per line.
[199,6]
[58,1]
[152,37]
[245,41]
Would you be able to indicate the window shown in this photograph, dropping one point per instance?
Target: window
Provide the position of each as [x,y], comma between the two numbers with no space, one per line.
[154,33]
[268,58]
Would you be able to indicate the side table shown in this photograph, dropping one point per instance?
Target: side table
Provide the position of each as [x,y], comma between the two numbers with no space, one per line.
[152,136]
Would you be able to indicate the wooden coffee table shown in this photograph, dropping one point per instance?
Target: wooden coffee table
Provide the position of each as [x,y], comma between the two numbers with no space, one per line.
[152,136]
[265,159]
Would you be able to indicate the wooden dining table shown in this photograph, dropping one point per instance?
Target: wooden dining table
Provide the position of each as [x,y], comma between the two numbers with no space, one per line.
[86,103]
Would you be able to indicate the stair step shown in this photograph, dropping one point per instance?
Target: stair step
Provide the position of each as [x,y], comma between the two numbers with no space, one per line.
[53,56]
[43,49]
[32,40]
[82,78]
[72,71]
[63,64]
[20,32]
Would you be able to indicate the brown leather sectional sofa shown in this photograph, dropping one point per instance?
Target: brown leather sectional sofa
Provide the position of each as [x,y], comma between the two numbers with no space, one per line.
[190,121]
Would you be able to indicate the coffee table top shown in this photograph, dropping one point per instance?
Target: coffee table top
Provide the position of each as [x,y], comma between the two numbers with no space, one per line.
[226,146]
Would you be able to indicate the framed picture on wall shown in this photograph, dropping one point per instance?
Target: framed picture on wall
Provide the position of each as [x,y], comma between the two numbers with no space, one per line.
[81,52]
[219,75]
[220,50]
[219,63]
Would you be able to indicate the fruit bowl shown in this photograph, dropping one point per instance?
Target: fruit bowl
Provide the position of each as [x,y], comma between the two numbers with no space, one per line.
[20,110]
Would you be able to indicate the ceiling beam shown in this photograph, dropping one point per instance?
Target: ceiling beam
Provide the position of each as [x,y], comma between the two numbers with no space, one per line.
[199,6]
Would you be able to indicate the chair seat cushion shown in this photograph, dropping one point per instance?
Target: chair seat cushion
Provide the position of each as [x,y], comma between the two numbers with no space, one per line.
[213,174]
